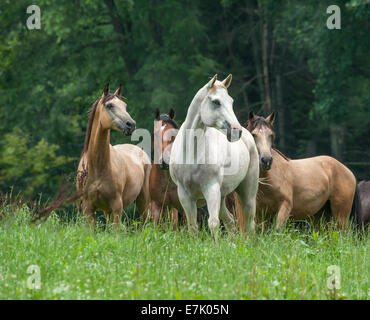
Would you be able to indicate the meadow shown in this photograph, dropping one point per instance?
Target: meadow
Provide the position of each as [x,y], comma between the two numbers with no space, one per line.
[146,262]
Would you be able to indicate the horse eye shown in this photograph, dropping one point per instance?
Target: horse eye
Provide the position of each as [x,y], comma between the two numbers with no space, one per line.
[217,102]
[109,106]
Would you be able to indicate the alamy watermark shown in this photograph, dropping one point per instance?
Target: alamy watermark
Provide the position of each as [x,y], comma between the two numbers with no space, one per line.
[333,21]
[34,280]
[34,20]
[199,147]
[333,281]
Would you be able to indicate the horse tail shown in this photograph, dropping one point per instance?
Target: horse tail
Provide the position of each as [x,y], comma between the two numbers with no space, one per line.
[356,210]
[239,211]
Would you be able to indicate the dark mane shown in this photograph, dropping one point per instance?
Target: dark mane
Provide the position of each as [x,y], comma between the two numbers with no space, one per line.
[92,112]
[282,154]
[166,118]
[257,121]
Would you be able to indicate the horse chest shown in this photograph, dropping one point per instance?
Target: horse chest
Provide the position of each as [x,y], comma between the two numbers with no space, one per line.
[271,193]
[100,193]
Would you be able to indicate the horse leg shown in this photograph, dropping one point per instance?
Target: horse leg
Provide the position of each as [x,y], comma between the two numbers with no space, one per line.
[143,199]
[155,211]
[90,215]
[175,218]
[190,208]
[247,192]
[227,217]
[212,194]
[117,213]
[340,209]
[108,216]
[283,215]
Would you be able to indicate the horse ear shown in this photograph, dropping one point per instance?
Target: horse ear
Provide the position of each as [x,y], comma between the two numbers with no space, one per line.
[250,115]
[119,91]
[106,89]
[227,81]
[212,82]
[157,114]
[171,113]
[271,118]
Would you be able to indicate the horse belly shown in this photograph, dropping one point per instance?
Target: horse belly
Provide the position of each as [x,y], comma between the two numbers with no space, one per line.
[133,160]
[133,186]
[309,201]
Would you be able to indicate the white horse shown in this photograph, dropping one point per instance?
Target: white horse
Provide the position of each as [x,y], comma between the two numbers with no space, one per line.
[226,159]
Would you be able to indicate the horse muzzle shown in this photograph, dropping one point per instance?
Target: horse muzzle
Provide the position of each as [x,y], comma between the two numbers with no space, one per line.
[233,133]
[266,163]
[128,127]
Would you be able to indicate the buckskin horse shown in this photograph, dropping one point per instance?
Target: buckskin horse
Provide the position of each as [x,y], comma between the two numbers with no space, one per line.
[299,188]
[112,177]
[225,159]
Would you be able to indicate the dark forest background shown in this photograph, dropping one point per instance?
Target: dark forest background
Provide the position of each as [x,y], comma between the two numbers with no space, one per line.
[282,56]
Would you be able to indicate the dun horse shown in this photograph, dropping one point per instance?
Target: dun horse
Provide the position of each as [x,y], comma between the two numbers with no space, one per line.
[299,188]
[225,158]
[116,175]
[163,191]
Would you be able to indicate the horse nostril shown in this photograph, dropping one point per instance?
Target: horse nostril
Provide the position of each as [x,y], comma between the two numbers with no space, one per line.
[130,125]
[266,160]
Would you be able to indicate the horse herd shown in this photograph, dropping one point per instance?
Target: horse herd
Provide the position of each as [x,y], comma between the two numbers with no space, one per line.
[210,159]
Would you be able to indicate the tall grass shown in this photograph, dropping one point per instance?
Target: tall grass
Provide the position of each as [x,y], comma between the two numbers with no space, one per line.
[146,262]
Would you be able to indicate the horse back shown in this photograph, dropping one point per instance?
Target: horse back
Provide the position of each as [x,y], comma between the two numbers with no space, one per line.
[336,172]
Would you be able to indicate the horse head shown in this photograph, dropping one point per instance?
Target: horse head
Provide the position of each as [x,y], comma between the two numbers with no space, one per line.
[262,131]
[165,130]
[216,109]
[112,112]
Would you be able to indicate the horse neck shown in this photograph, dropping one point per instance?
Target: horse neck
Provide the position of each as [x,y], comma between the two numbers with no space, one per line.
[278,164]
[192,120]
[98,152]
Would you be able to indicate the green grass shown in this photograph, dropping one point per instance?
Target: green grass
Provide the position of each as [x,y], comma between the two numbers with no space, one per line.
[144,262]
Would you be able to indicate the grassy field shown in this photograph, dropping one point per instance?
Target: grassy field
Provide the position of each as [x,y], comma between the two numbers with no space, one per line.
[144,262]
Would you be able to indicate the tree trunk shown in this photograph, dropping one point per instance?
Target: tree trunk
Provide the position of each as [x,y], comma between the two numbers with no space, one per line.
[311,148]
[281,111]
[337,141]
[255,50]
[266,79]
